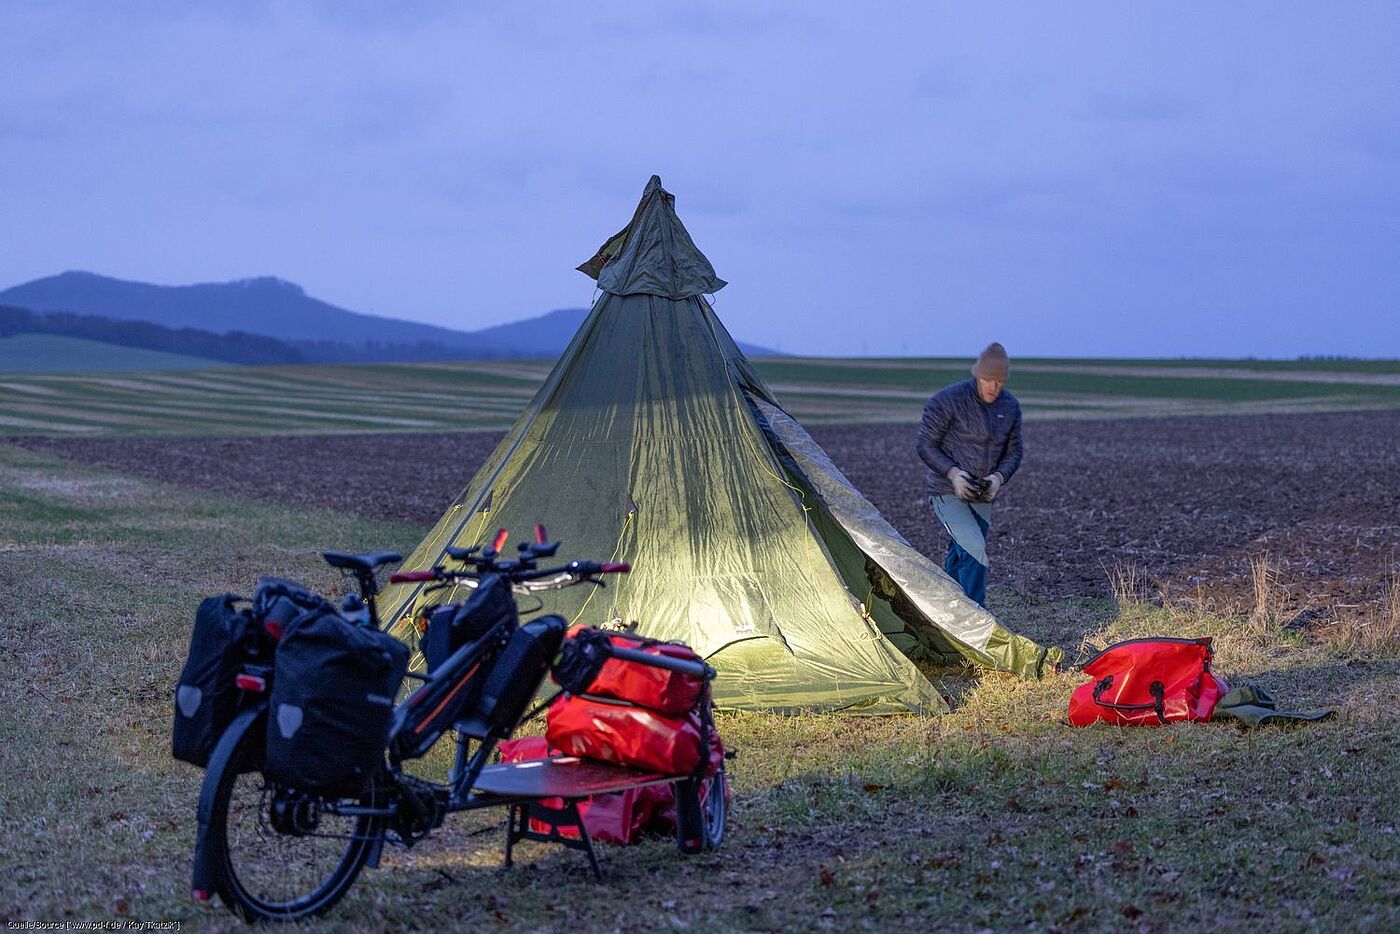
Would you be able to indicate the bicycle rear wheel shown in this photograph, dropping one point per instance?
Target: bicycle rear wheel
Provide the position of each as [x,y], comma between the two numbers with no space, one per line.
[282,855]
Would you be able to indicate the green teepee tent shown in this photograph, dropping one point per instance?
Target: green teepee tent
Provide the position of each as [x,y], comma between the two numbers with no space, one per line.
[654,442]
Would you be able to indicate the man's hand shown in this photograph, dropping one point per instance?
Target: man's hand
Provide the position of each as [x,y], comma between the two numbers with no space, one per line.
[962,483]
[993,484]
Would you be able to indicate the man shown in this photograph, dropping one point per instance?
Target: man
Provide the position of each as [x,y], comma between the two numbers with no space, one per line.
[971,441]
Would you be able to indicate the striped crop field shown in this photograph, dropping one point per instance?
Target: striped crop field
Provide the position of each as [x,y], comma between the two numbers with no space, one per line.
[252,400]
[490,394]
[893,389]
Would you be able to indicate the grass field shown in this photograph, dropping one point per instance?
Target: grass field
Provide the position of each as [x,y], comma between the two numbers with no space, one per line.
[489,394]
[997,816]
[37,353]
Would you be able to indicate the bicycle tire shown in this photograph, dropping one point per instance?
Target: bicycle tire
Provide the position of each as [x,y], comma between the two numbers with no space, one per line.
[264,874]
[701,811]
[715,809]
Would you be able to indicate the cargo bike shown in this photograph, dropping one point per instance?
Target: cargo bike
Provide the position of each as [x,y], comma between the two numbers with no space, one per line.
[290,707]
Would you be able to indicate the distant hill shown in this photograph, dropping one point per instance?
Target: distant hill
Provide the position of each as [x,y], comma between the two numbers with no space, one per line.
[545,336]
[552,332]
[265,305]
[274,308]
[38,353]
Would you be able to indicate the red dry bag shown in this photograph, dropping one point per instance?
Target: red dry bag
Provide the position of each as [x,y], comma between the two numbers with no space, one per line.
[619,817]
[668,692]
[1147,682]
[614,731]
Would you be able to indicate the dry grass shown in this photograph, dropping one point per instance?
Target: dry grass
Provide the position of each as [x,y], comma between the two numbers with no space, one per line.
[1126,584]
[1375,631]
[1265,616]
[997,816]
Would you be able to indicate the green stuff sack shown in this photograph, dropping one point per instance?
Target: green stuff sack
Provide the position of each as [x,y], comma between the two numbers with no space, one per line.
[1250,705]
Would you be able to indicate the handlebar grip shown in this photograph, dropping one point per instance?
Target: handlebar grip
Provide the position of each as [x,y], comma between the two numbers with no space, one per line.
[540,535]
[500,541]
[683,665]
[410,577]
[621,567]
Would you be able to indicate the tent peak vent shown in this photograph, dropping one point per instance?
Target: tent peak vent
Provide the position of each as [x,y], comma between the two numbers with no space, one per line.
[653,254]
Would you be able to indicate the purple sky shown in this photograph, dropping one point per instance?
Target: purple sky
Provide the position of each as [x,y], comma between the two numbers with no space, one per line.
[1140,179]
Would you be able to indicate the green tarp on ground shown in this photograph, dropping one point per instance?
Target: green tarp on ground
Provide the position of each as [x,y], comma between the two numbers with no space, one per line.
[653,442]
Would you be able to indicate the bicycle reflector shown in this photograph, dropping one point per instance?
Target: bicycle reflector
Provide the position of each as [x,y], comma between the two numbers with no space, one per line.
[253,683]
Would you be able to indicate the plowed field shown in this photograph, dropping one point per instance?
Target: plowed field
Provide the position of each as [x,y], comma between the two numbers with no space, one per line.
[1186,502]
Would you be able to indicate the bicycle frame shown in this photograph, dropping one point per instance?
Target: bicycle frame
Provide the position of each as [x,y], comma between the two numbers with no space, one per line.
[394,806]
[455,675]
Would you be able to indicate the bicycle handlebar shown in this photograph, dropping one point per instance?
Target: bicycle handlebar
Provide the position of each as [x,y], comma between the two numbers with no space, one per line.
[572,573]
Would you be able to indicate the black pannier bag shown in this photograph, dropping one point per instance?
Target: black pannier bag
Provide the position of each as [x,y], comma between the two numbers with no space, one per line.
[451,627]
[333,692]
[206,697]
[515,677]
[277,602]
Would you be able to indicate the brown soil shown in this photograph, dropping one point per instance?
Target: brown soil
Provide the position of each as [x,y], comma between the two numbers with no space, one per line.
[1187,502]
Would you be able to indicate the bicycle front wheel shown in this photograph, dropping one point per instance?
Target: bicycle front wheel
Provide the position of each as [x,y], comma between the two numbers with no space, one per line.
[701,809]
[283,855]
[715,809]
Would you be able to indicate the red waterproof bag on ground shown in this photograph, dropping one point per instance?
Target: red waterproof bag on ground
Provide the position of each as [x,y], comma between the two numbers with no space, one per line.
[668,692]
[1147,682]
[614,731]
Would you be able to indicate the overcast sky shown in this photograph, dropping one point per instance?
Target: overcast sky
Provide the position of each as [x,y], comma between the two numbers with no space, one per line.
[1120,178]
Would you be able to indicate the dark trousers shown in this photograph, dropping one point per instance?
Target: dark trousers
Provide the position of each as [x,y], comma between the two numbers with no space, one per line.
[970,573]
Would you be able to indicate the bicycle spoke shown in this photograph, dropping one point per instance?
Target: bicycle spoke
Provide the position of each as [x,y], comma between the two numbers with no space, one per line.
[280,868]
[278,872]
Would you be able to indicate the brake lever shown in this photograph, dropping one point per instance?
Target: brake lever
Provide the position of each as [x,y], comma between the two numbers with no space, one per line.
[471,583]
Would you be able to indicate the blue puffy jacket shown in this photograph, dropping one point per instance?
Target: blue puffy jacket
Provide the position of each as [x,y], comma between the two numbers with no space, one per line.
[960,430]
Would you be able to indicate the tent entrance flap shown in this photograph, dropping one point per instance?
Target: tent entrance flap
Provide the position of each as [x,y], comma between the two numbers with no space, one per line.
[935,614]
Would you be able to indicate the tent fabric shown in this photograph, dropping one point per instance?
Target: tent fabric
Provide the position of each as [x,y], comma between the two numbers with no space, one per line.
[653,255]
[929,604]
[644,445]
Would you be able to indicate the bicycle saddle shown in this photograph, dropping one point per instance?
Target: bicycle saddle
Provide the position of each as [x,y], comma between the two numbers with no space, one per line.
[361,564]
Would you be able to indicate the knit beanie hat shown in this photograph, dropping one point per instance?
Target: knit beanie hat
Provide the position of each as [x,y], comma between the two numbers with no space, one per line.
[993,363]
